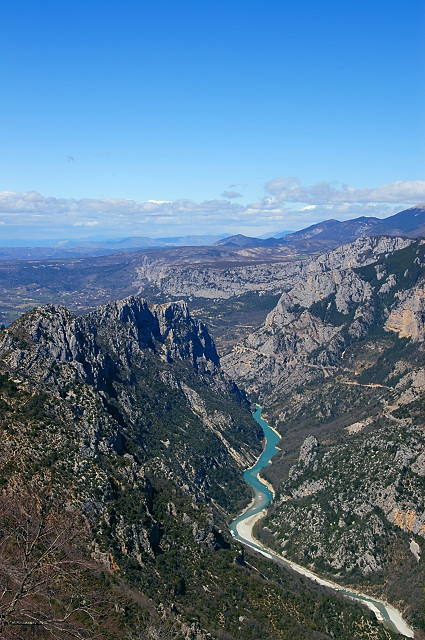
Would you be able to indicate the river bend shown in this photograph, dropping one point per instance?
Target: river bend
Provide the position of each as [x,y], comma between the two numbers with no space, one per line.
[241,529]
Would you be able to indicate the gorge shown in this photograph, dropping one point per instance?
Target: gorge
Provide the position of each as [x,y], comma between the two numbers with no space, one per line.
[122,435]
[242,529]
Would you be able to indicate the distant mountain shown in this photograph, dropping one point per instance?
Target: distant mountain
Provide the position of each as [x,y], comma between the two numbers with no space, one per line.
[322,236]
[192,240]
[279,234]
[240,240]
[410,222]
[92,248]
[330,234]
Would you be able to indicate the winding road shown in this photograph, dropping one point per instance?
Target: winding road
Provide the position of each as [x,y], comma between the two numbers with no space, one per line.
[241,529]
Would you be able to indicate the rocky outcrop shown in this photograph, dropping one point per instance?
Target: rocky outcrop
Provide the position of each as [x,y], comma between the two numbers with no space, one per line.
[122,330]
[337,302]
[143,386]
[407,318]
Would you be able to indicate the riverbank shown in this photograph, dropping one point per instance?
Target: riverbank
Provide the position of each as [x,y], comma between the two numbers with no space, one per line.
[269,426]
[267,484]
[245,530]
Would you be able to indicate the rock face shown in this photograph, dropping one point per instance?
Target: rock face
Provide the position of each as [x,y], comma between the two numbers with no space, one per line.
[135,389]
[338,367]
[340,297]
[125,329]
[407,318]
[208,281]
[263,273]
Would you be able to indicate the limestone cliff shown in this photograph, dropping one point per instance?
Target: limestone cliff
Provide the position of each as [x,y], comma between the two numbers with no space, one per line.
[407,318]
[341,296]
[256,273]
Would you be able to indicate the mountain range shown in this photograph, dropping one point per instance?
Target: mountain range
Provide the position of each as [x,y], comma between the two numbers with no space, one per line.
[92,248]
[318,237]
[332,233]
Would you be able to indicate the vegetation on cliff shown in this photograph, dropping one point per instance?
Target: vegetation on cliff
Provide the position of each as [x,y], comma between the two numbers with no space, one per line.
[123,445]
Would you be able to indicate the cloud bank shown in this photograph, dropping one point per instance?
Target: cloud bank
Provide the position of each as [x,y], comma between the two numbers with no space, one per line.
[291,190]
[287,204]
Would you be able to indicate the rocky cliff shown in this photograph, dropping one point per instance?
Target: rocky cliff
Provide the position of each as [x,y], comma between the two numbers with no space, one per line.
[105,370]
[336,301]
[255,270]
[339,368]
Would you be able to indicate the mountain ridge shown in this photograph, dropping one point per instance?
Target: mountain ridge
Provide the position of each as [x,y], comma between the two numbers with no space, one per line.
[122,420]
[329,233]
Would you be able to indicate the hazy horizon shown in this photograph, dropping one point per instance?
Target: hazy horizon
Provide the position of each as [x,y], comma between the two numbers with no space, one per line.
[193,239]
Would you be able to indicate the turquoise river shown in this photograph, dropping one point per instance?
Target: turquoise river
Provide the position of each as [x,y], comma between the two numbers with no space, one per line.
[241,529]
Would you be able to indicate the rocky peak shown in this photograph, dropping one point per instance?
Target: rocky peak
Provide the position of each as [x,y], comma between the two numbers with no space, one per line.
[173,320]
[131,325]
[116,333]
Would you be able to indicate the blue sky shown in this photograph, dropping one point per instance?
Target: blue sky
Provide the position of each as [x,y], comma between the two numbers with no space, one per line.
[172,117]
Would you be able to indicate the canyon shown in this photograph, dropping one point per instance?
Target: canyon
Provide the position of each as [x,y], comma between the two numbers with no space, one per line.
[126,420]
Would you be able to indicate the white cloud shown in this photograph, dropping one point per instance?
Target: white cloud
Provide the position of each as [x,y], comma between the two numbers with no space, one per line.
[287,204]
[121,215]
[231,195]
[291,190]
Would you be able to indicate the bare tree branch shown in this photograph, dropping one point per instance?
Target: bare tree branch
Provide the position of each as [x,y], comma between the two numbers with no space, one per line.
[42,571]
